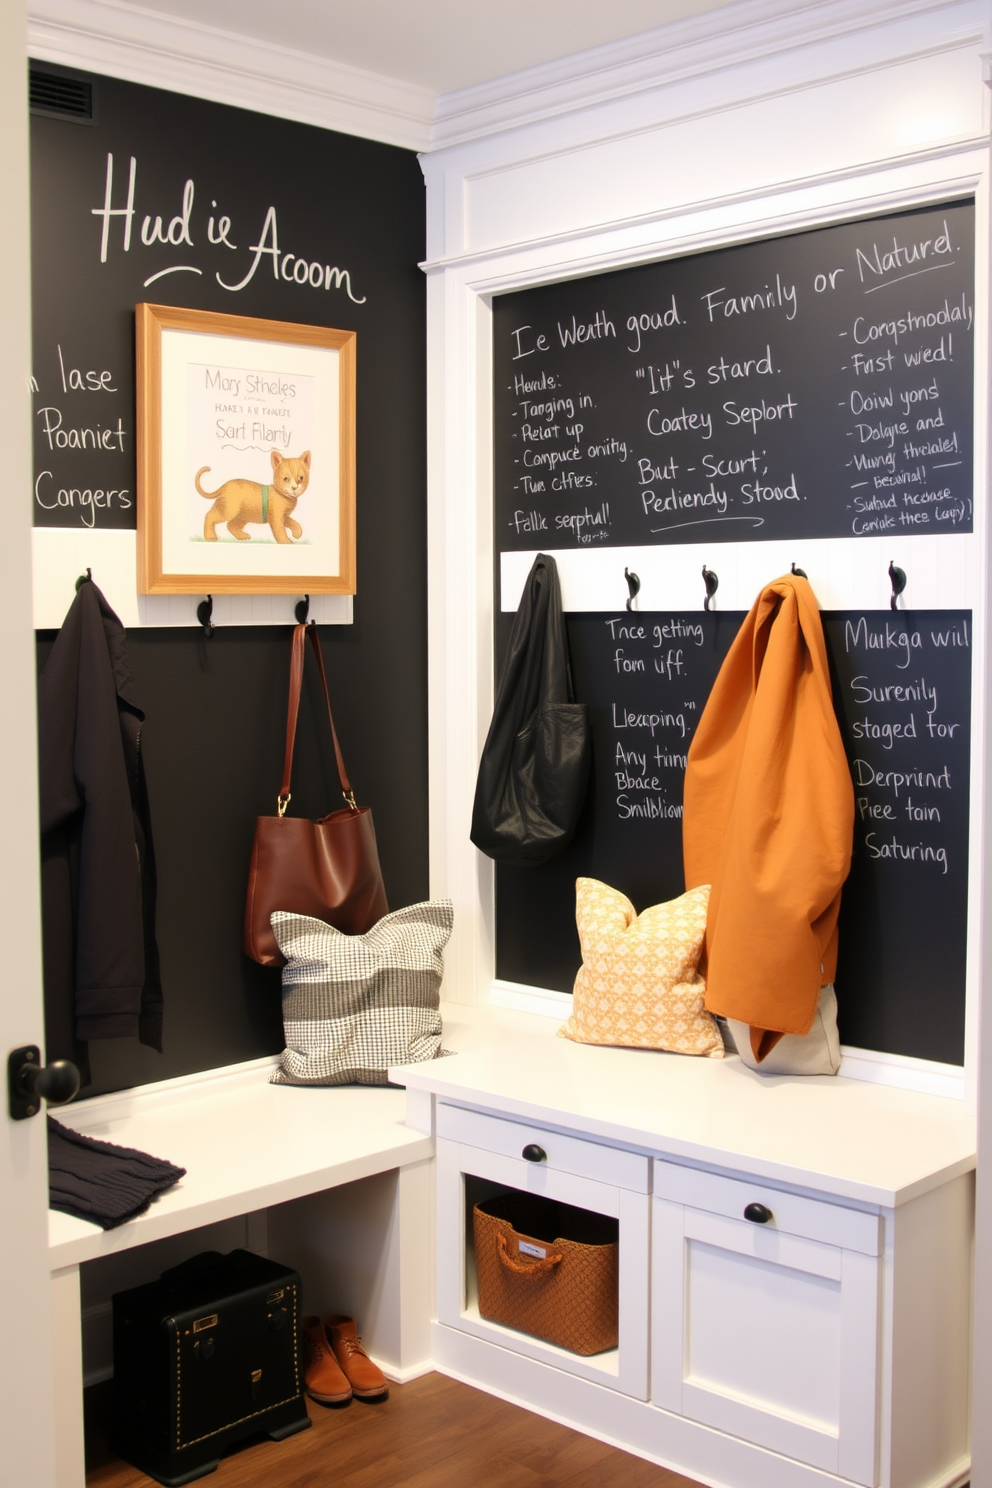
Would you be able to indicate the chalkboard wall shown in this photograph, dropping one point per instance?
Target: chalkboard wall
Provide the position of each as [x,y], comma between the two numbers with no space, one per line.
[902,690]
[216,709]
[814,385]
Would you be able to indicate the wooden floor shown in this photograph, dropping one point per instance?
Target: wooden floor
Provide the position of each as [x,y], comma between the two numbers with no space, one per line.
[431,1433]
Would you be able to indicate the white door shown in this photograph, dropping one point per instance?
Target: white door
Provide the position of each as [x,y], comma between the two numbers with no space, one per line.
[765,1318]
[26,1392]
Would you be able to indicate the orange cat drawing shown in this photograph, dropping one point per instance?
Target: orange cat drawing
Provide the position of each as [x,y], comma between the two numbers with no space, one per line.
[237,502]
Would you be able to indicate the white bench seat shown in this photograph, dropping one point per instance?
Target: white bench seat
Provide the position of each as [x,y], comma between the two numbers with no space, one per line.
[245,1144]
[342,1183]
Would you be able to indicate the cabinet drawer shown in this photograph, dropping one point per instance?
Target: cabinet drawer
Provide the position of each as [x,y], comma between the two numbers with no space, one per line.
[562,1154]
[813,1219]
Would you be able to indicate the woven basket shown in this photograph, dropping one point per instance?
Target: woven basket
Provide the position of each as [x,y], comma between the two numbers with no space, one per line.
[548,1269]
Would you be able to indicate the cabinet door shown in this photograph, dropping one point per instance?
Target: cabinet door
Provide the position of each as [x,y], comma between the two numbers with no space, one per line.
[768,1336]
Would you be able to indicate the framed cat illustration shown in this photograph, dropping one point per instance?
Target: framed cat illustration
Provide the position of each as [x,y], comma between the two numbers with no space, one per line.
[246,455]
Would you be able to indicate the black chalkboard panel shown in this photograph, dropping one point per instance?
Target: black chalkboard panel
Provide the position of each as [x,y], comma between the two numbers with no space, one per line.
[213,745]
[815,385]
[180,201]
[902,689]
[215,730]
[902,685]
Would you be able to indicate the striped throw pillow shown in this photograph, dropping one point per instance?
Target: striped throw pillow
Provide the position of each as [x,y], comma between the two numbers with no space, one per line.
[353,1005]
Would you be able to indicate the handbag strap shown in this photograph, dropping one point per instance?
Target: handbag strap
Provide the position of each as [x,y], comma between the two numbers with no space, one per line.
[536,671]
[297,658]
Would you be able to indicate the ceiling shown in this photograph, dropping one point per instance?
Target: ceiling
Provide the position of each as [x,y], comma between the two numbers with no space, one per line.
[438,44]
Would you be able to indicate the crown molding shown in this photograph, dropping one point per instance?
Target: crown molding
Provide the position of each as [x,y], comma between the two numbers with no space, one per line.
[140,45]
[747,32]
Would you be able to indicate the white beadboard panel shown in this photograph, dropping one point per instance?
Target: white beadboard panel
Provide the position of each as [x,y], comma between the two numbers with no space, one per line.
[728,151]
[62,554]
[143,45]
[941,573]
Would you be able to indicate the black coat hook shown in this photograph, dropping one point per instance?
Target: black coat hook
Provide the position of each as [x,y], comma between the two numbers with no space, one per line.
[303,610]
[633,585]
[712,585]
[204,613]
[85,578]
[800,572]
[898,577]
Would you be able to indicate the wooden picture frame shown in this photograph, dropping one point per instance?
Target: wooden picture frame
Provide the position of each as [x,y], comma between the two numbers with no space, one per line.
[246,455]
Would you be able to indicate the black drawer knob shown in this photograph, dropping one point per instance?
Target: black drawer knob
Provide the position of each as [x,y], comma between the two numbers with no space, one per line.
[758,1214]
[533,1153]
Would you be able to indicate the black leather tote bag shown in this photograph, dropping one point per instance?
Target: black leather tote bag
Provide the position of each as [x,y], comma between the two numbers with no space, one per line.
[534,769]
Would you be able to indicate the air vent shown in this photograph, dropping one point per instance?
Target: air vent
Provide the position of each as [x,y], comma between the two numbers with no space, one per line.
[61,95]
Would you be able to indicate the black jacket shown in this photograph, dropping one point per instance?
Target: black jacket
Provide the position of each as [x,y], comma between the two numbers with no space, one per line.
[97,864]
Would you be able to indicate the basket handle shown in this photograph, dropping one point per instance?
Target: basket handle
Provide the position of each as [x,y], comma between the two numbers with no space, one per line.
[524,1268]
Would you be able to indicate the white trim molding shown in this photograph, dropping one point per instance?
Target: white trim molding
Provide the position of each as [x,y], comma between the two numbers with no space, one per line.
[898,1070]
[731,42]
[540,1000]
[902,1071]
[98,1110]
[141,45]
[735,47]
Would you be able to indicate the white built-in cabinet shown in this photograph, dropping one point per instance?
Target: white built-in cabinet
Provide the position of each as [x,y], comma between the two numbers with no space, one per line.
[795,1259]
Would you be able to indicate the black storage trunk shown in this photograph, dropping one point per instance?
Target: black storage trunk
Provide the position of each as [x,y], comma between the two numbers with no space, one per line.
[204,1358]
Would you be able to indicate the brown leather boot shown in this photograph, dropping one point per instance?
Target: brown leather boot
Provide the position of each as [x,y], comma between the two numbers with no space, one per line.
[366,1379]
[322,1375]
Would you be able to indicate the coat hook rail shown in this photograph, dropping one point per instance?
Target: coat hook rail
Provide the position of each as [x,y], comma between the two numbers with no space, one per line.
[204,613]
[633,585]
[712,585]
[898,578]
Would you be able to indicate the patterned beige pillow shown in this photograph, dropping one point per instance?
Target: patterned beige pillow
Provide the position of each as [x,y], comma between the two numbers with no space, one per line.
[638,985]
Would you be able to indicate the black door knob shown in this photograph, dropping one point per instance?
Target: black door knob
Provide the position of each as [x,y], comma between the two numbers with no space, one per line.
[758,1214]
[533,1153]
[29,1082]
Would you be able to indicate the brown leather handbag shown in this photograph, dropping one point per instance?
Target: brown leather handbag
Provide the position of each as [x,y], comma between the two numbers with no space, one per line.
[327,868]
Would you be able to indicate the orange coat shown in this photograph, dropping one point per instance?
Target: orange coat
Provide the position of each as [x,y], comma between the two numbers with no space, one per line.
[769,819]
